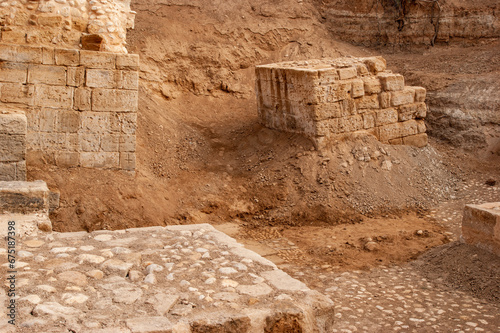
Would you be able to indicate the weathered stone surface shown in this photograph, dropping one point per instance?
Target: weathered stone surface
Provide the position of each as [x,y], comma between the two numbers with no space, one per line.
[114,100]
[24,197]
[149,325]
[481,226]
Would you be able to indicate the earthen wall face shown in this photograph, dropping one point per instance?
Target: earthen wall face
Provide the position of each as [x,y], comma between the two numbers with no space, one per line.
[81,106]
[323,99]
[99,25]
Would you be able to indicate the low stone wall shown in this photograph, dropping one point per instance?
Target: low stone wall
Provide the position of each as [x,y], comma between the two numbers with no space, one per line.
[81,106]
[481,226]
[322,99]
[12,145]
[99,25]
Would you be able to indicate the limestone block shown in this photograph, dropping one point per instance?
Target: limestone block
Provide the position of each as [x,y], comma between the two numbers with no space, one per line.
[8,52]
[362,70]
[68,121]
[367,102]
[53,96]
[24,197]
[21,171]
[397,141]
[348,107]
[421,128]
[67,57]
[372,85]
[110,142]
[347,73]
[129,80]
[409,128]
[327,127]
[420,94]
[13,72]
[100,160]
[17,93]
[327,76]
[127,143]
[67,159]
[75,76]
[8,171]
[325,111]
[47,74]
[51,141]
[48,56]
[114,100]
[127,61]
[14,37]
[128,122]
[418,140]
[83,100]
[406,96]
[385,100]
[127,161]
[47,120]
[92,59]
[351,123]
[31,54]
[481,226]
[12,147]
[391,82]
[102,78]
[89,142]
[97,122]
[375,64]
[368,120]
[389,132]
[412,111]
[386,117]
[13,123]
[358,88]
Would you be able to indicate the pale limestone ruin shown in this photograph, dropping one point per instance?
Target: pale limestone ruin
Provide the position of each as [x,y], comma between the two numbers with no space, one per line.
[481,226]
[323,99]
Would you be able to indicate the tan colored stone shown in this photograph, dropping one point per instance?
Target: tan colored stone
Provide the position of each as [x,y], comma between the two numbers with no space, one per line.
[48,56]
[358,88]
[7,171]
[129,80]
[421,128]
[8,52]
[68,121]
[389,132]
[127,143]
[47,120]
[375,64]
[75,76]
[114,100]
[367,102]
[127,161]
[418,140]
[368,120]
[46,74]
[103,78]
[73,277]
[406,96]
[67,57]
[13,72]
[53,96]
[99,160]
[67,159]
[408,128]
[347,73]
[372,85]
[92,59]
[14,37]
[83,101]
[31,54]
[17,93]
[420,94]
[391,82]
[127,61]
[13,123]
[385,117]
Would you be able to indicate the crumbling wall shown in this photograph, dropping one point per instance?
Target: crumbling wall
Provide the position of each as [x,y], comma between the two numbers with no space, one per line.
[98,25]
[81,106]
[325,98]
[12,145]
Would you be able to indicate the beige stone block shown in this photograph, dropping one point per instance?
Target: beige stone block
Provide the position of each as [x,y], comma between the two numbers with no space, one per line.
[127,61]
[481,226]
[89,142]
[48,56]
[51,141]
[406,96]
[47,74]
[100,160]
[326,111]
[83,100]
[421,128]
[327,127]
[21,171]
[327,76]
[127,143]
[372,85]
[13,72]
[367,102]
[14,36]
[358,88]
[54,96]
[361,69]
[368,120]
[420,94]
[47,120]
[93,59]
[72,142]
[409,128]
[330,94]
[13,123]
[102,78]
[96,122]
[8,171]
[114,100]
[375,64]
[347,73]
[352,123]
[421,111]
[49,20]
[68,121]
[12,148]
[67,159]
[127,161]
[389,132]
[110,142]
[385,100]
[75,76]
[8,52]
[397,141]
[412,111]
[385,117]
[418,140]
[128,122]
[129,80]
[391,82]
[66,57]
[17,93]
[30,54]
[348,107]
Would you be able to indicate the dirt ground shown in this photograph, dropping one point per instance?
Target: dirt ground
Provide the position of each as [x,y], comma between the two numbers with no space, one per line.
[204,158]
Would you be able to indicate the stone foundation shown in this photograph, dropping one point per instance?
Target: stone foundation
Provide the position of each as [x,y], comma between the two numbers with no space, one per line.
[481,226]
[323,99]
[12,145]
[81,106]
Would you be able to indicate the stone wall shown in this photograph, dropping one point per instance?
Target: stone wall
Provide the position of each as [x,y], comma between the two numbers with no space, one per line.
[99,25]
[325,98]
[81,106]
[481,226]
[12,145]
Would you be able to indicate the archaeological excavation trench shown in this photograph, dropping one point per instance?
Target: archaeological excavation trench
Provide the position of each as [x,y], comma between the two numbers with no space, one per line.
[307,166]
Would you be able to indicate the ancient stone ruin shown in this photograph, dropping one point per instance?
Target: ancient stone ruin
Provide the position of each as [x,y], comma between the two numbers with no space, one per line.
[323,99]
[481,226]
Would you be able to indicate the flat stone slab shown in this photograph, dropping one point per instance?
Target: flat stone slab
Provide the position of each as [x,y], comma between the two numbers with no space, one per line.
[162,279]
[24,197]
[481,226]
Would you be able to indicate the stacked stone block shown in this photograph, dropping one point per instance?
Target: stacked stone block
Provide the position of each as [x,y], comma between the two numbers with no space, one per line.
[81,106]
[323,99]
[481,226]
[12,145]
